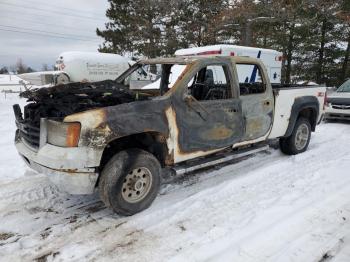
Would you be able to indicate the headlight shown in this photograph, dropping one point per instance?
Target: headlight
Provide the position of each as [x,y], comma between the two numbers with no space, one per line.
[63,134]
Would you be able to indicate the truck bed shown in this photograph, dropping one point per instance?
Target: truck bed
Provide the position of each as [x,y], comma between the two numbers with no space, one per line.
[286,97]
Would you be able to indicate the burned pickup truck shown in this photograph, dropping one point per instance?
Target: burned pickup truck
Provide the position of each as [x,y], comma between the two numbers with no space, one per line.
[122,137]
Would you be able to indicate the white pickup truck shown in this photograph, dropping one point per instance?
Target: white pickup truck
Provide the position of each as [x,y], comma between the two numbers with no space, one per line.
[122,142]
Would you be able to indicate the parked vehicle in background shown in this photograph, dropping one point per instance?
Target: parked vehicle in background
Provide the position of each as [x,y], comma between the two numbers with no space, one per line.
[121,141]
[89,66]
[272,60]
[338,103]
[84,67]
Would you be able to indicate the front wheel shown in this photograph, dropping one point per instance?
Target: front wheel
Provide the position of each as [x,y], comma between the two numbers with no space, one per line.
[130,181]
[299,140]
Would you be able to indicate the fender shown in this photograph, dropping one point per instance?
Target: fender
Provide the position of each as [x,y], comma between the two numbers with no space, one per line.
[301,103]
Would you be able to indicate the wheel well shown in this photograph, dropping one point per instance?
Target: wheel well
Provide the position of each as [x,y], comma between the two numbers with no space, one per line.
[61,73]
[310,114]
[152,142]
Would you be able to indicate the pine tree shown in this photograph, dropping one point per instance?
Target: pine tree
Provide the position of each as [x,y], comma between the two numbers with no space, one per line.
[21,67]
[4,70]
[143,28]
[156,27]
[344,16]
[314,36]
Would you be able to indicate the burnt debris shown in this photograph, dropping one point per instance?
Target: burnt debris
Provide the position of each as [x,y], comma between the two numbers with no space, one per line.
[62,100]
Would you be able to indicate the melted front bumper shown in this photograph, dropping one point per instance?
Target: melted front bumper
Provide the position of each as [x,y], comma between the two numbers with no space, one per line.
[73,170]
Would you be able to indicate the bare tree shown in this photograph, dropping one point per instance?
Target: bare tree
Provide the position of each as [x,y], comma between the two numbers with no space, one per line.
[21,67]
[45,67]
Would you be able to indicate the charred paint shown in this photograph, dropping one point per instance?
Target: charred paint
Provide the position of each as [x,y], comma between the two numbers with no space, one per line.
[92,118]
[173,141]
[98,134]
[208,124]
[218,133]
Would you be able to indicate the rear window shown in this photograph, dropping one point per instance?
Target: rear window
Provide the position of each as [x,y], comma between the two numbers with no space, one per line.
[250,79]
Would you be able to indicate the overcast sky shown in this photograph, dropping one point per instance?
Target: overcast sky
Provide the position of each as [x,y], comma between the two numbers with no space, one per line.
[28,27]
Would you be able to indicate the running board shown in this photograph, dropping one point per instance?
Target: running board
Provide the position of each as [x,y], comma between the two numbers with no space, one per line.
[180,170]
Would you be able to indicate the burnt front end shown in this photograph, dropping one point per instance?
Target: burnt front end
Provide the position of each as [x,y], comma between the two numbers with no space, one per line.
[73,169]
[68,151]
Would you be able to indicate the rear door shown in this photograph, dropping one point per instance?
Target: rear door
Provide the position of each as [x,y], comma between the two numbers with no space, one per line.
[257,101]
[210,116]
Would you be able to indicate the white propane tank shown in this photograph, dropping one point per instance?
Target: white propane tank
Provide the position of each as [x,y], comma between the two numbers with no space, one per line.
[89,66]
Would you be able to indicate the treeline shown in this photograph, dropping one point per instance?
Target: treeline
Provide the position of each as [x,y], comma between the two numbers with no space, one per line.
[18,68]
[21,68]
[314,35]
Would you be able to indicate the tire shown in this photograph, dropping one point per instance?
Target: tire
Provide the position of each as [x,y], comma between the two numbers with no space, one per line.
[299,140]
[130,181]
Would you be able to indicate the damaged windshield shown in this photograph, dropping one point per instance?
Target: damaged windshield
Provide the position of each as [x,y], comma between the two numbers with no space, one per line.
[161,77]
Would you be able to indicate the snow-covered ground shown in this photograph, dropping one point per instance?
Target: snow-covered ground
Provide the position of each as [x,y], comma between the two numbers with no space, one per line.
[9,79]
[269,207]
[11,83]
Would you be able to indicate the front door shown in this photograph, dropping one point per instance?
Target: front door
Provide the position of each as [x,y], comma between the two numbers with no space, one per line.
[210,117]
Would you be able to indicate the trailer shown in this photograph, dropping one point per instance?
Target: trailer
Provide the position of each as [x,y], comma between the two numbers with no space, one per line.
[76,66]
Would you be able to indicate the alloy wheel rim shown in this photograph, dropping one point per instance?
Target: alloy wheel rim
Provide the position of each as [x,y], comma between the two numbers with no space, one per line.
[301,136]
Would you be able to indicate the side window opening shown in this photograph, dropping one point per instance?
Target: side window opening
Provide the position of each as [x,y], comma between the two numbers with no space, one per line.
[250,79]
[210,83]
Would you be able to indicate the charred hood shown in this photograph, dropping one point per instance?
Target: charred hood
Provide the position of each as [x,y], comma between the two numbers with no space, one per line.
[62,100]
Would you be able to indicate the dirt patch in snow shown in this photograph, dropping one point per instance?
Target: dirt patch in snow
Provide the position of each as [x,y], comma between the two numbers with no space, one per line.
[46,257]
[5,236]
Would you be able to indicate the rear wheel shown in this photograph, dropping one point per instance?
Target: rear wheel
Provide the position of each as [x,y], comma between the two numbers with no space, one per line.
[299,140]
[130,181]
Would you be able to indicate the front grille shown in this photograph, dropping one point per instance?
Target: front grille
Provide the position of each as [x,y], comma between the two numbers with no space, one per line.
[29,133]
[28,128]
[343,107]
